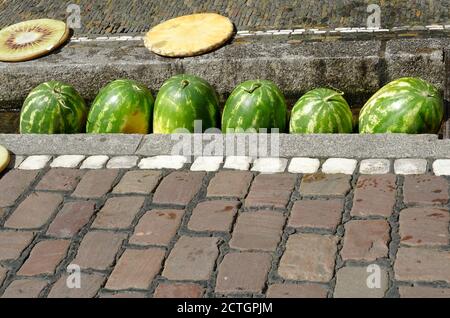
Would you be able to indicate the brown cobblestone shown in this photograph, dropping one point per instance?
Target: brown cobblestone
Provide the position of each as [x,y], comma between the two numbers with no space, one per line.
[322,214]
[258,231]
[365,240]
[425,189]
[44,257]
[424,226]
[271,190]
[420,264]
[320,184]
[98,249]
[139,181]
[157,227]
[25,288]
[352,282]
[136,269]
[423,292]
[34,211]
[60,179]
[243,273]
[12,244]
[214,216]
[177,290]
[296,291]
[374,195]
[118,212]
[13,184]
[230,184]
[309,257]
[179,188]
[90,284]
[96,183]
[192,258]
[72,217]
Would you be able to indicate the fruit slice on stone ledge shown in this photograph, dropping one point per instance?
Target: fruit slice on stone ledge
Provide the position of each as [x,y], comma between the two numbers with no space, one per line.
[189,35]
[4,158]
[31,39]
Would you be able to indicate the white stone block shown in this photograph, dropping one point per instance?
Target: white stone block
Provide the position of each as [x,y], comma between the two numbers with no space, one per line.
[163,162]
[374,166]
[207,163]
[237,162]
[94,162]
[35,162]
[339,165]
[304,165]
[441,167]
[67,161]
[122,162]
[410,166]
[270,165]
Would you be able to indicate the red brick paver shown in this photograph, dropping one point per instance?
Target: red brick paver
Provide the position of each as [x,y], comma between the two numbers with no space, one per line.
[320,184]
[60,179]
[258,231]
[423,292]
[192,258]
[271,190]
[309,257]
[72,217]
[177,290]
[89,286]
[296,291]
[424,226]
[96,183]
[13,184]
[25,288]
[118,212]
[365,240]
[179,188]
[12,244]
[44,257]
[98,249]
[136,269]
[321,214]
[425,189]
[140,182]
[374,195]
[420,264]
[243,273]
[34,211]
[230,184]
[357,282]
[157,227]
[214,216]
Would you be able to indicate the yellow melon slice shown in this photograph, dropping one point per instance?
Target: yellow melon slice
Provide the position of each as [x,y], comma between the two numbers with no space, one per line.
[4,158]
[30,39]
[189,35]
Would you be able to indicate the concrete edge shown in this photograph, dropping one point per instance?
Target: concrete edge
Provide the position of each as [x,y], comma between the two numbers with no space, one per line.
[390,146]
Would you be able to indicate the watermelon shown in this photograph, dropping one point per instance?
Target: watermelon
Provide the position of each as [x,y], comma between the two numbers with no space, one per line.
[255,104]
[406,105]
[53,108]
[123,106]
[182,100]
[321,111]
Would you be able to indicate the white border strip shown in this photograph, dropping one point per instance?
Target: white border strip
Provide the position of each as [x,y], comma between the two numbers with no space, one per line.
[433,27]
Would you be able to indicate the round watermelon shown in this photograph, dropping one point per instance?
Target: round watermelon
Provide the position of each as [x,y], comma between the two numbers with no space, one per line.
[53,108]
[407,105]
[255,104]
[182,100]
[321,111]
[123,106]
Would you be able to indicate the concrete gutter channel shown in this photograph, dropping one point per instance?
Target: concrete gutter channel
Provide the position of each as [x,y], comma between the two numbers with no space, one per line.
[357,67]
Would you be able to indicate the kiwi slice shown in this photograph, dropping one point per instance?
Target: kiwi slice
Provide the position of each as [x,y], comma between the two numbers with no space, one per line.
[30,39]
[4,158]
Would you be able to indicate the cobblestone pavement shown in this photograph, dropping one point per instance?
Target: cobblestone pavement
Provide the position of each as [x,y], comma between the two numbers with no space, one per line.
[310,229]
[125,16]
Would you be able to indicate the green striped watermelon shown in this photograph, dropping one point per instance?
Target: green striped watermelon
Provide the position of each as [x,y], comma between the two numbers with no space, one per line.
[53,108]
[182,100]
[122,106]
[321,111]
[255,104]
[407,105]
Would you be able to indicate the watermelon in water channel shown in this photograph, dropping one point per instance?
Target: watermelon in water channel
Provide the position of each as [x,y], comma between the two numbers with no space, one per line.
[321,111]
[255,105]
[53,108]
[123,106]
[407,105]
[182,100]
